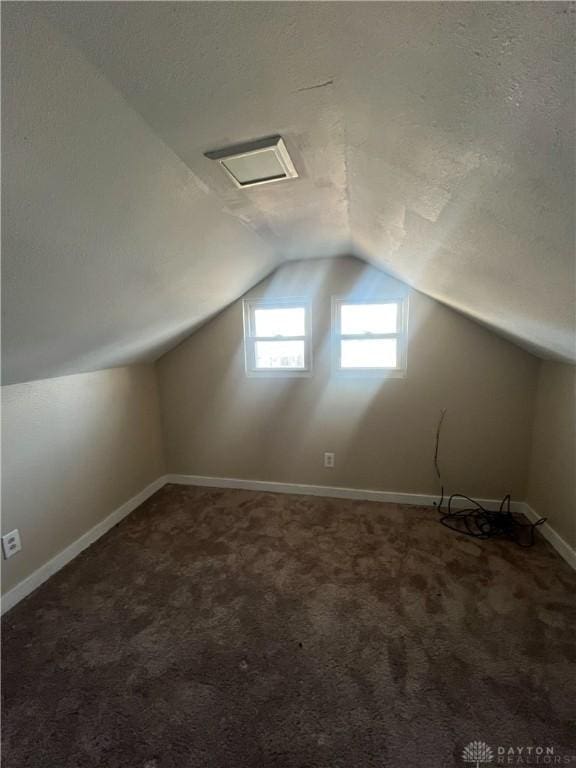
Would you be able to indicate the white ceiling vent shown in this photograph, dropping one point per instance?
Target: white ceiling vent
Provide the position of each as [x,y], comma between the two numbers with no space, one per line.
[259,162]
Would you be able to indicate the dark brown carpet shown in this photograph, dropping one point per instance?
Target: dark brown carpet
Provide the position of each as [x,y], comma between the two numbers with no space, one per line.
[232,629]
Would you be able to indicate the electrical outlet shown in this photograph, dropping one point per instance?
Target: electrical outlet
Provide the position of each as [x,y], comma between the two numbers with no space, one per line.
[329,460]
[11,543]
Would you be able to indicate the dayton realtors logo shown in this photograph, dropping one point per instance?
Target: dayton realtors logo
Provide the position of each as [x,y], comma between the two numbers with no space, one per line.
[478,754]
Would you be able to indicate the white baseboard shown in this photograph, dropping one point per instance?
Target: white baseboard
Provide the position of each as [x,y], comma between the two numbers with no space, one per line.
[29,584]
[395,497]
[560,545]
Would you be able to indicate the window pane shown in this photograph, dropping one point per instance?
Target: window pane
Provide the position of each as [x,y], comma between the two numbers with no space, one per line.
[279,321]
[369,353]
[369,318]
[279,354]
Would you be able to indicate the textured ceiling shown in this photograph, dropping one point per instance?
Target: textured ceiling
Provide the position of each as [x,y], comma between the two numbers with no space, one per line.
[435,140]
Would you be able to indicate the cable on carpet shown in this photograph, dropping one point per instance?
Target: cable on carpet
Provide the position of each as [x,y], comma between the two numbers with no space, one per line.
[477,521]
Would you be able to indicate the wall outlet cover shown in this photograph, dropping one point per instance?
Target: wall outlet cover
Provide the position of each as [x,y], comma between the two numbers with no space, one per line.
[329,459]
[11,543]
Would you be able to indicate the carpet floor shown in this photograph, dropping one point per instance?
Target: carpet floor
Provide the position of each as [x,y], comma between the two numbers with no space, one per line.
[234,629]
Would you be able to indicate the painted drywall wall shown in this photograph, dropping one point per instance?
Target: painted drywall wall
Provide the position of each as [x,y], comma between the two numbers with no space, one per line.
[552,483]
[218,421]
[73,450]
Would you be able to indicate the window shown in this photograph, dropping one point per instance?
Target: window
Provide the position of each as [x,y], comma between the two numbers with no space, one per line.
[370,336]
[277,337]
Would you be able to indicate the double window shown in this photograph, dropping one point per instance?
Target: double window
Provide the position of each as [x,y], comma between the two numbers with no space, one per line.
[368,337]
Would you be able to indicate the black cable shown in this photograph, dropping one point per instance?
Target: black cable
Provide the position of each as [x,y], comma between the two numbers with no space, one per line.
[482,523]
[477,521]
[436,465]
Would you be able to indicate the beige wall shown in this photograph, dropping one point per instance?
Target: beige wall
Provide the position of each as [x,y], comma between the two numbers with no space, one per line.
[552,484]
[219,422]
[77,447]
[74,449]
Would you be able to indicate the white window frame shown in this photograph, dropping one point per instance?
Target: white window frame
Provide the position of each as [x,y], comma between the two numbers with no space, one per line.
[250,338]
[401,335]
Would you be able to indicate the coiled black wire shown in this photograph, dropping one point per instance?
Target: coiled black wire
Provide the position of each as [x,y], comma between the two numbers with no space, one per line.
[476,520]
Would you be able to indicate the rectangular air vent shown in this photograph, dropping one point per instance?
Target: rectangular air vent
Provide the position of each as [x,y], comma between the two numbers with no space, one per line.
[259,162]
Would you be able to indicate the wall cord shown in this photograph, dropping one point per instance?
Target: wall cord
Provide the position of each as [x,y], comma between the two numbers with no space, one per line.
[477,521]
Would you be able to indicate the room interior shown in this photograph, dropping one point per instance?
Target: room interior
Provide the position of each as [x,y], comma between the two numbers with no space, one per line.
[278,280]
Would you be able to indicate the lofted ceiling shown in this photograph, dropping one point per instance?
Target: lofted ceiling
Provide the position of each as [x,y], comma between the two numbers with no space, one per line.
[434,140]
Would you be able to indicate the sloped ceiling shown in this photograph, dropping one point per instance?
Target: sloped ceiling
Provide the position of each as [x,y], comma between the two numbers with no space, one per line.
[435,140]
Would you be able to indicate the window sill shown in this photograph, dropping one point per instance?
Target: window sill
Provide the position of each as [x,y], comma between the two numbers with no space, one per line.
[369,373]
[278,374]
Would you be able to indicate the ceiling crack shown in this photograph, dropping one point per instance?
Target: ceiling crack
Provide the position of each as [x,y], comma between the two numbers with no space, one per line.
[312,87]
